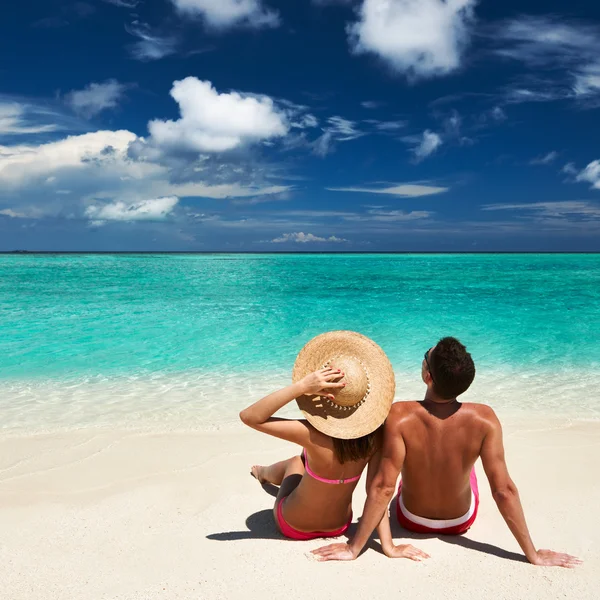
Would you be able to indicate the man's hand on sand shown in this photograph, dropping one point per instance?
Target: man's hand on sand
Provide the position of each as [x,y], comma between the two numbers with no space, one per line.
[406,551]
[548,558]
[335,552]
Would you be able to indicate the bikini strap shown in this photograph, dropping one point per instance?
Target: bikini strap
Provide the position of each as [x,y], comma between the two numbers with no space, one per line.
[312,474]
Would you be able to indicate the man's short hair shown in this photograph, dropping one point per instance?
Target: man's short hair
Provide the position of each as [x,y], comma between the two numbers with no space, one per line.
[452,368]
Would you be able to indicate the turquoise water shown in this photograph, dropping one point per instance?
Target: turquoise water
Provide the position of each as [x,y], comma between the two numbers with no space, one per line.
[113,324]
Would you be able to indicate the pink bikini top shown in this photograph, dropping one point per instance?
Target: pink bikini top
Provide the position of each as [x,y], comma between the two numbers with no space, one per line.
[322,479]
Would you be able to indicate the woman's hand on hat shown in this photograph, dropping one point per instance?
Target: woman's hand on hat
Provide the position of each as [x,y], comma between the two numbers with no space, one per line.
[322,382]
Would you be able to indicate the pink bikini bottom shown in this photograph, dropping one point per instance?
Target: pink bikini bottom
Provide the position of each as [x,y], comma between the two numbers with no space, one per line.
[294,534]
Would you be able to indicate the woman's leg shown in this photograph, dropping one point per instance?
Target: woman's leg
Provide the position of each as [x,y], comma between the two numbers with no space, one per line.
[276,473]
[287,474]
[292,476]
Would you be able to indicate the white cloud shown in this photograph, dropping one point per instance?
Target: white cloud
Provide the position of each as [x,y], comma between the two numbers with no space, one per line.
[390,216]
[390,125]
[325,2]
[371,104]
[96,97]
[150,45]
[587,80]
[344,129]
[591,174]
[9,212]
[567,50]
[306,121]
[497,113]
[425,144]
[24,163]
[545,159]
[213,122]
[540,91]
[545,40]
[420,39]
[222,14]
[338,130]
[97,167]
[304,238]
[156,209]
[220,191]
[14,120]
[403,190]
[124,3]
[553,209]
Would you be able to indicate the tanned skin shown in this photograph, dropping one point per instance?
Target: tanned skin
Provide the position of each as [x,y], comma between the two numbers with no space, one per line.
[434,445]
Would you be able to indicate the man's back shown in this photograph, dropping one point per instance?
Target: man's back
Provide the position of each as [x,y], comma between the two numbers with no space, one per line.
[442,444]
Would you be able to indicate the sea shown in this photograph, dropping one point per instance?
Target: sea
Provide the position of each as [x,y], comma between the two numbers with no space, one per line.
[185,341]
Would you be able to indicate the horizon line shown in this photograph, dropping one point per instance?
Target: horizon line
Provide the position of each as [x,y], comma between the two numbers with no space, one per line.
[424,252]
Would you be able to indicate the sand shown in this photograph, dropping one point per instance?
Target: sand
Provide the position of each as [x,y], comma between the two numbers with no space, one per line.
[120,515]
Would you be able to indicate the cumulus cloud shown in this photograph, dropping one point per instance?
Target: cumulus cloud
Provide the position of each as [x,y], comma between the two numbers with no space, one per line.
[591,174]
[304,238]
[544,159]
[157,209]
[424,145]
[16,120]
[24,163]
[97,168]
[214,122]
[223,14]
[417,38]
[150,45]
[96,97]
[403,190]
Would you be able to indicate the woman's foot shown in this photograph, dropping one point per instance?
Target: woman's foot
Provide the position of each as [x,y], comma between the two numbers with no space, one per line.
[257,472]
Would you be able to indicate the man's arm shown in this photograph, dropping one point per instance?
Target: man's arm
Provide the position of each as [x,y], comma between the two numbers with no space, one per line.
[379,494]
[506,495]
[384,530]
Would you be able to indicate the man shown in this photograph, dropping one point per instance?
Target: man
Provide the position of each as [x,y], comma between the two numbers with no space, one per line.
[434,444]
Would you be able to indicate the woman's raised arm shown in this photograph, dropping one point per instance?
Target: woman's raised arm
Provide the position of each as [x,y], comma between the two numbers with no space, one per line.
[259,415]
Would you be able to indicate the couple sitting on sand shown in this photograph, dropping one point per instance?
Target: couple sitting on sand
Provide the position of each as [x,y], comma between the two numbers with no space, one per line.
[344,385]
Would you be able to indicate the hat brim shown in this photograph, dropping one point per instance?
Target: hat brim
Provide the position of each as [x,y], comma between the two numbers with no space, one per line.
[356,421]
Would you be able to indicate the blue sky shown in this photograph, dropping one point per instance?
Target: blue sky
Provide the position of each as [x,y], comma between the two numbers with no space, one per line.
[306,125]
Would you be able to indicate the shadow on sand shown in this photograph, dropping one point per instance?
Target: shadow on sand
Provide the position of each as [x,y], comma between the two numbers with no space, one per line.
[262,526]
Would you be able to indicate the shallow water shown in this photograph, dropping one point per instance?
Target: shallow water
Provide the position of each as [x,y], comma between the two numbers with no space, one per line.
[188,340]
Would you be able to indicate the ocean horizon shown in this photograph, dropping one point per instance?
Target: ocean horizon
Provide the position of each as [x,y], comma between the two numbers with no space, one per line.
[185,340]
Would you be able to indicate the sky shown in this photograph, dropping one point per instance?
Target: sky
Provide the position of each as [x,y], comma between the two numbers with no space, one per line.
[300,125]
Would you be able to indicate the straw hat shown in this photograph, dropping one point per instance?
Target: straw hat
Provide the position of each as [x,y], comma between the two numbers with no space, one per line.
[364,403]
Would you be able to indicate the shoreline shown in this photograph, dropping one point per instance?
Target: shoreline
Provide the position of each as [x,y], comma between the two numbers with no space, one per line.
[196,401]
[110,515]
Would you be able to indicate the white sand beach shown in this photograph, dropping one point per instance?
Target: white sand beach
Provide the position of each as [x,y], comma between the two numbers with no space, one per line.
[105,515]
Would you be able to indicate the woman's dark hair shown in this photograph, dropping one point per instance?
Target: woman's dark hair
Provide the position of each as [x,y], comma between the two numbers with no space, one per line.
[452,368]
[357,449]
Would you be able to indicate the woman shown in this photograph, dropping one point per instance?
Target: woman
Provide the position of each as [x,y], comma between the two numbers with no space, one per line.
[344,385]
